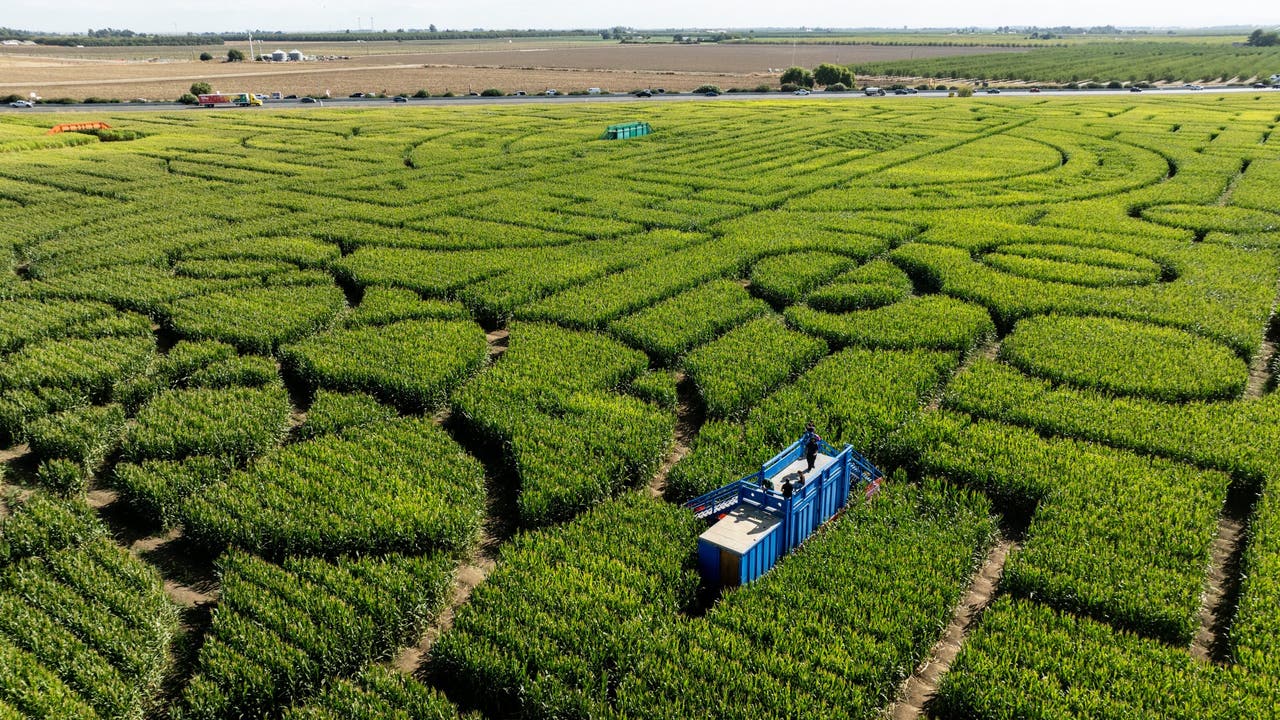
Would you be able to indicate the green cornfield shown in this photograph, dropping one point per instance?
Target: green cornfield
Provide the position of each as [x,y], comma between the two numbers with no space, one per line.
[346,413]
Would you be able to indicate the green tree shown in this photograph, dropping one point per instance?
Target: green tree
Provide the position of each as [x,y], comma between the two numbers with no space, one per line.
[201,88]
[1258,38]
[234,55]
[205,57]
[797,76]
[829,74]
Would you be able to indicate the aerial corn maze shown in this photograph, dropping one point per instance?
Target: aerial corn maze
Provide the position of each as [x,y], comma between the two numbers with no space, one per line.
[393,413]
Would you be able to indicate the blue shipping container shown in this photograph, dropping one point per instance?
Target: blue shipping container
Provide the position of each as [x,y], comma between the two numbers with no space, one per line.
[762,517]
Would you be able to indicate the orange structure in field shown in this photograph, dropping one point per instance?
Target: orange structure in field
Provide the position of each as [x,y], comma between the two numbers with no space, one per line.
[73,127]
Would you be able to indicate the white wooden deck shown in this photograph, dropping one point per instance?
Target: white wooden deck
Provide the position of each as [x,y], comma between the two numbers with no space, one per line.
[741,529]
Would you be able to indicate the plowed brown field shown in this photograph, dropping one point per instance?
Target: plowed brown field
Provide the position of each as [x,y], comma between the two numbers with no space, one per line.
[80,72]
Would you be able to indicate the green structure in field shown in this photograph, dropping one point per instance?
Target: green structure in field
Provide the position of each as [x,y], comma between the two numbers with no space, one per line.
[622,131]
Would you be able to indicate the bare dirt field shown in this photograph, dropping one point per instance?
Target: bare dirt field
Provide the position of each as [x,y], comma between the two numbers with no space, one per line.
[532,67]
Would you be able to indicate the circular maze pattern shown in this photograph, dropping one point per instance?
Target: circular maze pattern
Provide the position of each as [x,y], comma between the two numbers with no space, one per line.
[1125,358]
[1089,267]
[1211,218]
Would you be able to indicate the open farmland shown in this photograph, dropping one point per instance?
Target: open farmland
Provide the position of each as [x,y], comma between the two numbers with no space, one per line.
[532,65]
[318,413]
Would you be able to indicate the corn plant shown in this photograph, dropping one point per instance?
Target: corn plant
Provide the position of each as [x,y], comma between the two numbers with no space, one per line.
[280,632]
[375,691]
[24,320]
[1028,659]
[672,327]
[88,366]
[1257,623]
[876,284]
[79,616]
[656,387]
[299,251]
[786,279]
[1240,438]
[733,372]
[84,436]
[158,489]
[1125,358]
[412,364]
[42,525]
[621,569]
[929,322]
[855,396]
[593,304]
[221,269]
[1148,522]
[241,423]
[383,306]
[252,371]
[1230,314]
[570,439]
[401,485]
[258,320]
[333,412]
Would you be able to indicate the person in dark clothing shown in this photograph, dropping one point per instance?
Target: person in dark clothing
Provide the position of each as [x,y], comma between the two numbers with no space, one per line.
[810,444]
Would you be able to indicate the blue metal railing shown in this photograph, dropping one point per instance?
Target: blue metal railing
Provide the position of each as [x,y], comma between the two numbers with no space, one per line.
[810,502]
[751,489]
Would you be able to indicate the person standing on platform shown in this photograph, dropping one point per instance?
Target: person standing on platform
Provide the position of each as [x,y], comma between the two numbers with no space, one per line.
[810,442]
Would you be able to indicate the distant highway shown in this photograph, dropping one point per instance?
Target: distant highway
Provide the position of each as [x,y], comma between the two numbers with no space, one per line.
[617,98]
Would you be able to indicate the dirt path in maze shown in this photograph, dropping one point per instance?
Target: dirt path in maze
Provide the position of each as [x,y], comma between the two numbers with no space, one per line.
[1260,370]
[470,574]
[473,570]
[689,419]
[1216,607]
[10,459]
[189,579]
[918,689]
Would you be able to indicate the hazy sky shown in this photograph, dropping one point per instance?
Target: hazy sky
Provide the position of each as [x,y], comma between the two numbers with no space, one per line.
[229,15]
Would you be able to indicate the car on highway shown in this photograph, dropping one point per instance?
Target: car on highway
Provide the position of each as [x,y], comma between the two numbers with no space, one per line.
[356,95]
[1034,89]
[1134,88]
[551,93]
[993,91]
[642,93]
[21,104]
[1260,85]
[309,99]
[711,93]
[1189,86]
[872,90]
[400,99]
[801,91]
[906,91]
[519,93]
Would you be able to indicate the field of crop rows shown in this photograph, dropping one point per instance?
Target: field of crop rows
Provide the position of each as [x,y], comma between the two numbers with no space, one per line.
[1128,61]
[375,413]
